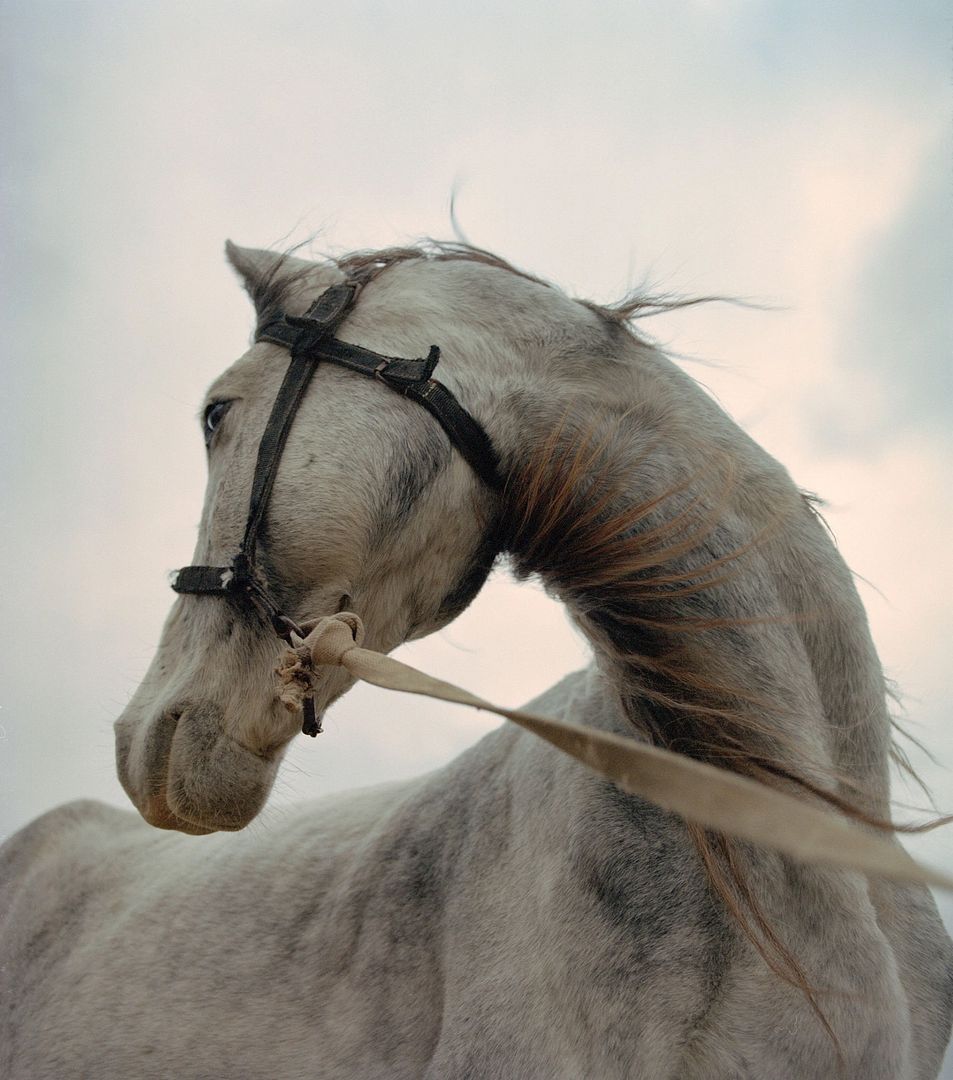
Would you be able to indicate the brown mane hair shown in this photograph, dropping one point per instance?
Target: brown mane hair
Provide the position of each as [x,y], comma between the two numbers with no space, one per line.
[642,578]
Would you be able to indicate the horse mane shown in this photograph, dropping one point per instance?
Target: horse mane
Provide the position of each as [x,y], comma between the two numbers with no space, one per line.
[268,291]
[644,578]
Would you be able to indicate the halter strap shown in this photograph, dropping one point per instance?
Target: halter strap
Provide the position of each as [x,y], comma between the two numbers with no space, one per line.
[412,378]
[310,338]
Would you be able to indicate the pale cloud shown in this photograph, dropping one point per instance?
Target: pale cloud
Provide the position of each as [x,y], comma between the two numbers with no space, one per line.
[902,324]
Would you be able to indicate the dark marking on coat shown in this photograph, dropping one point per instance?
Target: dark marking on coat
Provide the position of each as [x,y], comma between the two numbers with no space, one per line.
[415,466]
[636,868]
[474,577]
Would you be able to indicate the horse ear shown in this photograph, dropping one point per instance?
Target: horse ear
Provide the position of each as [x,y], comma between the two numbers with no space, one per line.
[252,265]
[258,268]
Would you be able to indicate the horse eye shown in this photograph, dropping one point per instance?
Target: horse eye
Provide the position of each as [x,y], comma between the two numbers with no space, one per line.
[213,417]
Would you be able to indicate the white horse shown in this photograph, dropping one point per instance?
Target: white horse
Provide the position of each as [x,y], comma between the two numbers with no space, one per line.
[511,915]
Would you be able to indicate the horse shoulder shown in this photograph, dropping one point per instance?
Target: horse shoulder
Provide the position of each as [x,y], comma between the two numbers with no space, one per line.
[908,917]
[40,863]
[50,890]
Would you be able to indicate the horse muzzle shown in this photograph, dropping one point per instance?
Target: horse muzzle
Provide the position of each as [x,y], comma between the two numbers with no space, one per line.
[182,771]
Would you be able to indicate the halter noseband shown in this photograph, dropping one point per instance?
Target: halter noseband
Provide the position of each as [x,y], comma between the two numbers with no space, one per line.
[310,338]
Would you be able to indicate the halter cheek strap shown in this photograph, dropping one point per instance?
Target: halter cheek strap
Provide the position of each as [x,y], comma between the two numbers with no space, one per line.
[310,338]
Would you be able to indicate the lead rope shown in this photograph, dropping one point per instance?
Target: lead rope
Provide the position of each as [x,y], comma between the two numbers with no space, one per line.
[708,796]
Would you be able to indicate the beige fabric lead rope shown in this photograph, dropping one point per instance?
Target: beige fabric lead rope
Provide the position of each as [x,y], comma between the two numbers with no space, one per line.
[711,797]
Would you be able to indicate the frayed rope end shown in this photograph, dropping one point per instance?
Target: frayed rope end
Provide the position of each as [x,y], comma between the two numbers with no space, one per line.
[326,645]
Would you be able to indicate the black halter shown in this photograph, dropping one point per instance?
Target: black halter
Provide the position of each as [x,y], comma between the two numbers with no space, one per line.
[311,339]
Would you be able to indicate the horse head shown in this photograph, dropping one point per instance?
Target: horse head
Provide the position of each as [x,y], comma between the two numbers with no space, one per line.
[372,510]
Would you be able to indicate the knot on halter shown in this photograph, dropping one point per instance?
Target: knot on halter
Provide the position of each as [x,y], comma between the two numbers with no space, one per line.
[327,643]
[331,638]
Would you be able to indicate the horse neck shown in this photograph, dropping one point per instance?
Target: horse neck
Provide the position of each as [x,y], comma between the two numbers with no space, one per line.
[721,617]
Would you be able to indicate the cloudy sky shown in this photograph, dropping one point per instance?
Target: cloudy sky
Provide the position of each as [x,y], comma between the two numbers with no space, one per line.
[797,154]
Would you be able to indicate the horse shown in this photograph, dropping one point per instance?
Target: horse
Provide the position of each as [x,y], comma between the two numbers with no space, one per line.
[512,914]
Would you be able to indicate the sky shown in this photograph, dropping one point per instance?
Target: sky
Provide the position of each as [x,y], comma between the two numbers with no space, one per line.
[799,155]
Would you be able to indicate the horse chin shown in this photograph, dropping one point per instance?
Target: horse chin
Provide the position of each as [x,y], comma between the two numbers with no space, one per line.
[157,813]
[193,777]
[214,781]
